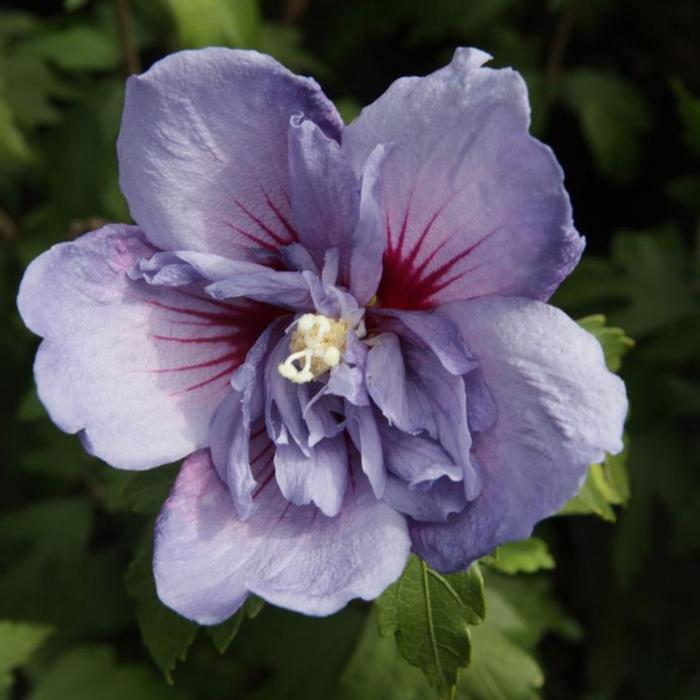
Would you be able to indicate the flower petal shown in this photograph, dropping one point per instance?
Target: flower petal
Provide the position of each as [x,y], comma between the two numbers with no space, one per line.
[252,281]
[559,410]
[232,438]
[137,369]
[473,205]
[184,267]
[229,436]
[392,391]
[322,413]
[320,478]
[416,459]
[369,241]
[203,148]
[437,333]
[446,396]
[207,560]
[364,432]
[482,411]
[283,408]
[434,504]
[324,194]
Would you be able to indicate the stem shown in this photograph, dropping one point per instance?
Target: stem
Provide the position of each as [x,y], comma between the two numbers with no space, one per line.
[560,40]
[126,36]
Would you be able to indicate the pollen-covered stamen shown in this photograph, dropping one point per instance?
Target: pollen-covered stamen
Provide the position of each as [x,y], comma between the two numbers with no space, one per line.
[317,345]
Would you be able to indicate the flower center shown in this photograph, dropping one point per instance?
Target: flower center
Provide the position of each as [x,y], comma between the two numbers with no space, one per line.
[316,347]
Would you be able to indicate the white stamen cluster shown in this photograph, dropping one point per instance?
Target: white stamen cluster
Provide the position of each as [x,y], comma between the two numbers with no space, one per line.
[317,345]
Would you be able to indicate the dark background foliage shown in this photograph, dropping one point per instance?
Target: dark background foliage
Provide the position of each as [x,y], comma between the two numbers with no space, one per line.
[612,84]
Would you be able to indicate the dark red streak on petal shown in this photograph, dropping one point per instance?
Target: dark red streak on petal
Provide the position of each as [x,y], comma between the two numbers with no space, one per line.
[349,447]
[220,319]
[272,234]
[261,486]
[284,512]
[204,339]
[402,232]
[246,317]
[280,217]
[263,452]
[258,432]
[411,259]
[201,365]
[263,244]
[262,469]
[406,285]
[242,306]
[243,322]
[224,374]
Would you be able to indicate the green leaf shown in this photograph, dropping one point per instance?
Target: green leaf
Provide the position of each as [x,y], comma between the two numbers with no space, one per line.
[166,634]
[145,492]
[30,408]
[73,5]
[18,641]
[521,611]
[689,112]
[524,556]
[32,87]
[613,116]
[55,576]
[526,609]
[430,616]
[607,485]
[284,43]
[223,634]
[91,672]
[210,22]
[500,668]
[349,108]
[377,671]
[613,340]
[286,655]
[645,284]
[78,48]
[14,148]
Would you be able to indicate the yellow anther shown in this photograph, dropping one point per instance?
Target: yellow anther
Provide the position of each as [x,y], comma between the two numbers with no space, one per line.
[317,345]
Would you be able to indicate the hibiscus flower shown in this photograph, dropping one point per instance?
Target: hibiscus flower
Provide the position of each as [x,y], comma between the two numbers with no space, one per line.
[343,329]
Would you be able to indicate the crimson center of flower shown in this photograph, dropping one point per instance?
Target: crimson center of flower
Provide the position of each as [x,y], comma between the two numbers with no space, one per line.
[317,345]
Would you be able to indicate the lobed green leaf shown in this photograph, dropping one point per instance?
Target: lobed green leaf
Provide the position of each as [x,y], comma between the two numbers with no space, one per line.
[430,614]
[523,556]
[18,641]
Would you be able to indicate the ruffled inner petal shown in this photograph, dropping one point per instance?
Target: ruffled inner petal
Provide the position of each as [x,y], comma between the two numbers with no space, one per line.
[324,194]
[319,478]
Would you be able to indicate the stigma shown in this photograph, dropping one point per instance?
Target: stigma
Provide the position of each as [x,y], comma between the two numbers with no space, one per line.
[317,345]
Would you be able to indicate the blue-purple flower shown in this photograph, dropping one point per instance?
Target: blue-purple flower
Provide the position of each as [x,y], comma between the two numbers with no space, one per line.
[343,329]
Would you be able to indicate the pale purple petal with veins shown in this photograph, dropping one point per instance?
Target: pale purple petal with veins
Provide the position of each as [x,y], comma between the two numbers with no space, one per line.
[473,205]
[203,149]
[137,370]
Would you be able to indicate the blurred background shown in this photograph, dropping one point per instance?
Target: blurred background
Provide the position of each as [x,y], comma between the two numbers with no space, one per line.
[615,90]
